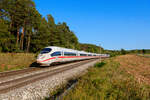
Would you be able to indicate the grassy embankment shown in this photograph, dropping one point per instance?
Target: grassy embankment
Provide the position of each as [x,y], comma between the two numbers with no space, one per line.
[14,61]
[113,80]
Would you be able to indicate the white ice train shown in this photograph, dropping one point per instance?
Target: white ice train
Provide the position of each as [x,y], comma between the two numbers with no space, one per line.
[53,54]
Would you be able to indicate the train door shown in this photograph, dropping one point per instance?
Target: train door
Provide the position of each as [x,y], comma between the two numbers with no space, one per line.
[63,60]
[60,57]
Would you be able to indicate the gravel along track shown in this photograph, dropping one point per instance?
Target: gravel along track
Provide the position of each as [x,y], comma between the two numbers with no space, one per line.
[7,86]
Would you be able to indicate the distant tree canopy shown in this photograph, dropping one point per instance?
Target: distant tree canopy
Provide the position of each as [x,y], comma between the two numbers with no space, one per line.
[23,29]
[123,52]
[91,48]
[140,51]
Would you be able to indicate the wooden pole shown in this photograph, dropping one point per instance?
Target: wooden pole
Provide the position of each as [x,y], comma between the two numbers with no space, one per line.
[100,51]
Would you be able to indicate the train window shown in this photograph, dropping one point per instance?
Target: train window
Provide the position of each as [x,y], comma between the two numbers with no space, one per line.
[82,54]
[58,53]
[45,50]
[69,54]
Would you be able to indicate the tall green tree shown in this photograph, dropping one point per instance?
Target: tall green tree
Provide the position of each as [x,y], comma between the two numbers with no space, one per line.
[22,28]
[123,52]
[41,36]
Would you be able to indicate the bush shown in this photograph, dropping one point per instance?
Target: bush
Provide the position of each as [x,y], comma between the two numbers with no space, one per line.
[99,64]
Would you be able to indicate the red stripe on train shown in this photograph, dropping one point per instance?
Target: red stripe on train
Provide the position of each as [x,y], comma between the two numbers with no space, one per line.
[71,56]
[48,59]
[67,57]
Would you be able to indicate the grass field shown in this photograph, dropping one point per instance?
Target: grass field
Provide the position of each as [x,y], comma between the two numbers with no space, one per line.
[13,61]
[114,79]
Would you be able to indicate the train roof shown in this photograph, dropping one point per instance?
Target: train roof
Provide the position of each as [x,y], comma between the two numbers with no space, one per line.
[71,50]
[65,49]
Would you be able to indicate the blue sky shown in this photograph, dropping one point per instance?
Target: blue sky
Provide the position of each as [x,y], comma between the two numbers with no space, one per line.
[115,24]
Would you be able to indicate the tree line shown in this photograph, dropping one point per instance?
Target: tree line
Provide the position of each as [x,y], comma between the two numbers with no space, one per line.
[23,29]
[123,52]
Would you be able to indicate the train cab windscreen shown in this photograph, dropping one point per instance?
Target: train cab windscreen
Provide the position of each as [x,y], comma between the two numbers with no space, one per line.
[57,53]
[46,50]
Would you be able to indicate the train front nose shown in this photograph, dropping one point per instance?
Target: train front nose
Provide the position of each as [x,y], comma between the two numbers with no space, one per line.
[43,56]
[40,58]
[38,61]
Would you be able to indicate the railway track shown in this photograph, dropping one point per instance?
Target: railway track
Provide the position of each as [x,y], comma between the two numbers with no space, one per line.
[12,75]
[17,72]
[27,70]
[9,85]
